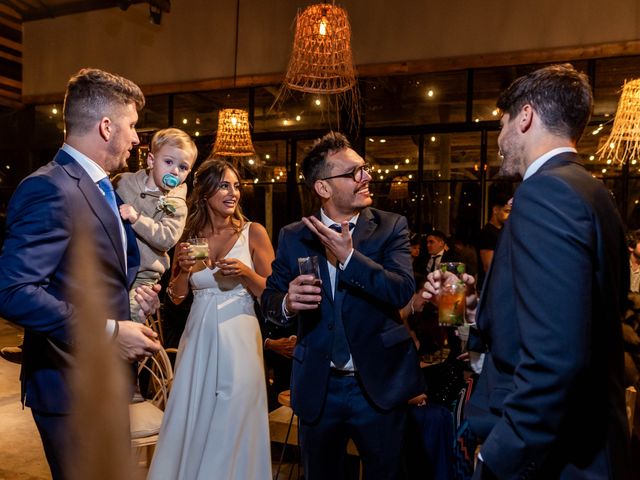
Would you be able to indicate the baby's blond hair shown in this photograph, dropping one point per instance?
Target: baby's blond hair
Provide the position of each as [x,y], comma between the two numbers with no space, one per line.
[174,137]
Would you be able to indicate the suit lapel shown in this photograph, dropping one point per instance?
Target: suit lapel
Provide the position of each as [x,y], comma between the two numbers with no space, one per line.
[364,227]
[96,202]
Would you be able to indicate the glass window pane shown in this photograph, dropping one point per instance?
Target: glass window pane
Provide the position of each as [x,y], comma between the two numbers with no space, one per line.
[493,157]
[452,156]
[394,163]
[488,83]
[415,100]
[609,79]
[197,113]
[269,164]
[48,126]
[154,115]
[633,206]
[264,191]
[293,111]
[453,207]
[594,137]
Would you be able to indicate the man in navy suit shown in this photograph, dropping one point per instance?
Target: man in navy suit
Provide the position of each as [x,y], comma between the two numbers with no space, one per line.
[549,403]
[36,280]
[354,366]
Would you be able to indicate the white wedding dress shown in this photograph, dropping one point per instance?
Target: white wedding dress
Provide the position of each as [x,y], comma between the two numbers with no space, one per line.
[216,426]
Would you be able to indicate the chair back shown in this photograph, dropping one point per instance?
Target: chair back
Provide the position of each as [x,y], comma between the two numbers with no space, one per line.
[154,322]
[156,373]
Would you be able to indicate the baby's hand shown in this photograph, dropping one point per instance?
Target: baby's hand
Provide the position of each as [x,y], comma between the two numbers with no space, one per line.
[127,212]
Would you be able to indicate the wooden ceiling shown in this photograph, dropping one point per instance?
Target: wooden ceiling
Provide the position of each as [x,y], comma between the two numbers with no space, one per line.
[29,10]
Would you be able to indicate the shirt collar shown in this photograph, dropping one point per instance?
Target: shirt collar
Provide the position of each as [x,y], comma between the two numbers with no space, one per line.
[95,171]
[542,159]
[328,222]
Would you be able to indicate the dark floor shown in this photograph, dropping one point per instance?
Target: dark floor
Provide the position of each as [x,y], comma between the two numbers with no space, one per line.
[21,455]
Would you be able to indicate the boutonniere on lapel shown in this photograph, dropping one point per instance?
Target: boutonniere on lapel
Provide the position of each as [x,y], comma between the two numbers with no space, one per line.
[165,205]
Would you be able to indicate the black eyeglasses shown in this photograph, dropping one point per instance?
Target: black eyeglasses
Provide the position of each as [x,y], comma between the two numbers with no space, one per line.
[357,174]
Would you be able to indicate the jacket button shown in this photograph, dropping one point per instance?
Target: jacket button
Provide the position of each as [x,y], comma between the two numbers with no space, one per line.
[330,326]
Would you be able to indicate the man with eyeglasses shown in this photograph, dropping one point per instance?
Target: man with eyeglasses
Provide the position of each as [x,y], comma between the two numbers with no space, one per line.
[354,366]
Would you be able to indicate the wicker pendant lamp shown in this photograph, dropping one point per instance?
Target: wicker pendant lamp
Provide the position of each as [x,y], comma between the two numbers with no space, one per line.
[623,143]
[321,60]
[234,136]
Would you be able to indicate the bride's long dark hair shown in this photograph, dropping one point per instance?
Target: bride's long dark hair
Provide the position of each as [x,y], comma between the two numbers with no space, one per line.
[206,182]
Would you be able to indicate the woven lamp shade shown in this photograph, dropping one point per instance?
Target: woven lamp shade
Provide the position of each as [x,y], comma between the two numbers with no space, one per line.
[624,141]
[321,61]
[234,137]
[399,188]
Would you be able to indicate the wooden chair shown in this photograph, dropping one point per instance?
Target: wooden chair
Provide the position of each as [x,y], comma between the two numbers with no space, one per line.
[145,416]
[154,322]
[630,400]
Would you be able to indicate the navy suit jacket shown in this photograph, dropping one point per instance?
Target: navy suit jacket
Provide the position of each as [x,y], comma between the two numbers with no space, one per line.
[550,399]
[36,282]
[377,282]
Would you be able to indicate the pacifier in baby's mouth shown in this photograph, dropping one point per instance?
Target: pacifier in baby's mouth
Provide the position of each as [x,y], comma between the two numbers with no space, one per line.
[170,180]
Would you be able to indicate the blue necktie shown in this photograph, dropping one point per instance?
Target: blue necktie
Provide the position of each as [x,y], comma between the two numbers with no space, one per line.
[340,349]
[338,228]
[107,189]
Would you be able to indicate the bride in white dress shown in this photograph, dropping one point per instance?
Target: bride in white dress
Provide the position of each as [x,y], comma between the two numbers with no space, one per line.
[215,425]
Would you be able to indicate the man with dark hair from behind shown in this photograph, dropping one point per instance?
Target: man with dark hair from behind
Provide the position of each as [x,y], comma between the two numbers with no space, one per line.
[550,403]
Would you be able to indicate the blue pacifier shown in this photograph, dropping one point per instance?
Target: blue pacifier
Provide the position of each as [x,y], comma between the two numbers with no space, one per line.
[170,180]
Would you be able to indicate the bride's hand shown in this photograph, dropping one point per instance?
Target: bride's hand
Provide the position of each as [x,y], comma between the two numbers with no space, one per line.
[232,267]
[186,260]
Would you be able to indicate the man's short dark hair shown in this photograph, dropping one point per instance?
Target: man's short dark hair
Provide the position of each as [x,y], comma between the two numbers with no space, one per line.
[438,233]
[633,238]
[558,93]
[314,165]
[93,94]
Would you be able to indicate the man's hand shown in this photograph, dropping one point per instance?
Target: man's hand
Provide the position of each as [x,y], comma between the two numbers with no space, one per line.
[435,280]
[282,346]
[136,341]
[304,294]
[434,283]
[147,298]
[339,244]
[127,212]
[419,401]
[418,301]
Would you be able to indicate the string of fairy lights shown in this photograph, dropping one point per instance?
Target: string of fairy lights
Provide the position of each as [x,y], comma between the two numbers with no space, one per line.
[269,168]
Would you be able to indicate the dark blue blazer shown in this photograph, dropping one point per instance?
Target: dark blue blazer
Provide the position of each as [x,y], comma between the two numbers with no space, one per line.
[377,282]
[549,403]
[36,283]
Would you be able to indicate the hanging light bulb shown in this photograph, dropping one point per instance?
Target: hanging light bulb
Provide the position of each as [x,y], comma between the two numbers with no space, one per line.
[322,29]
